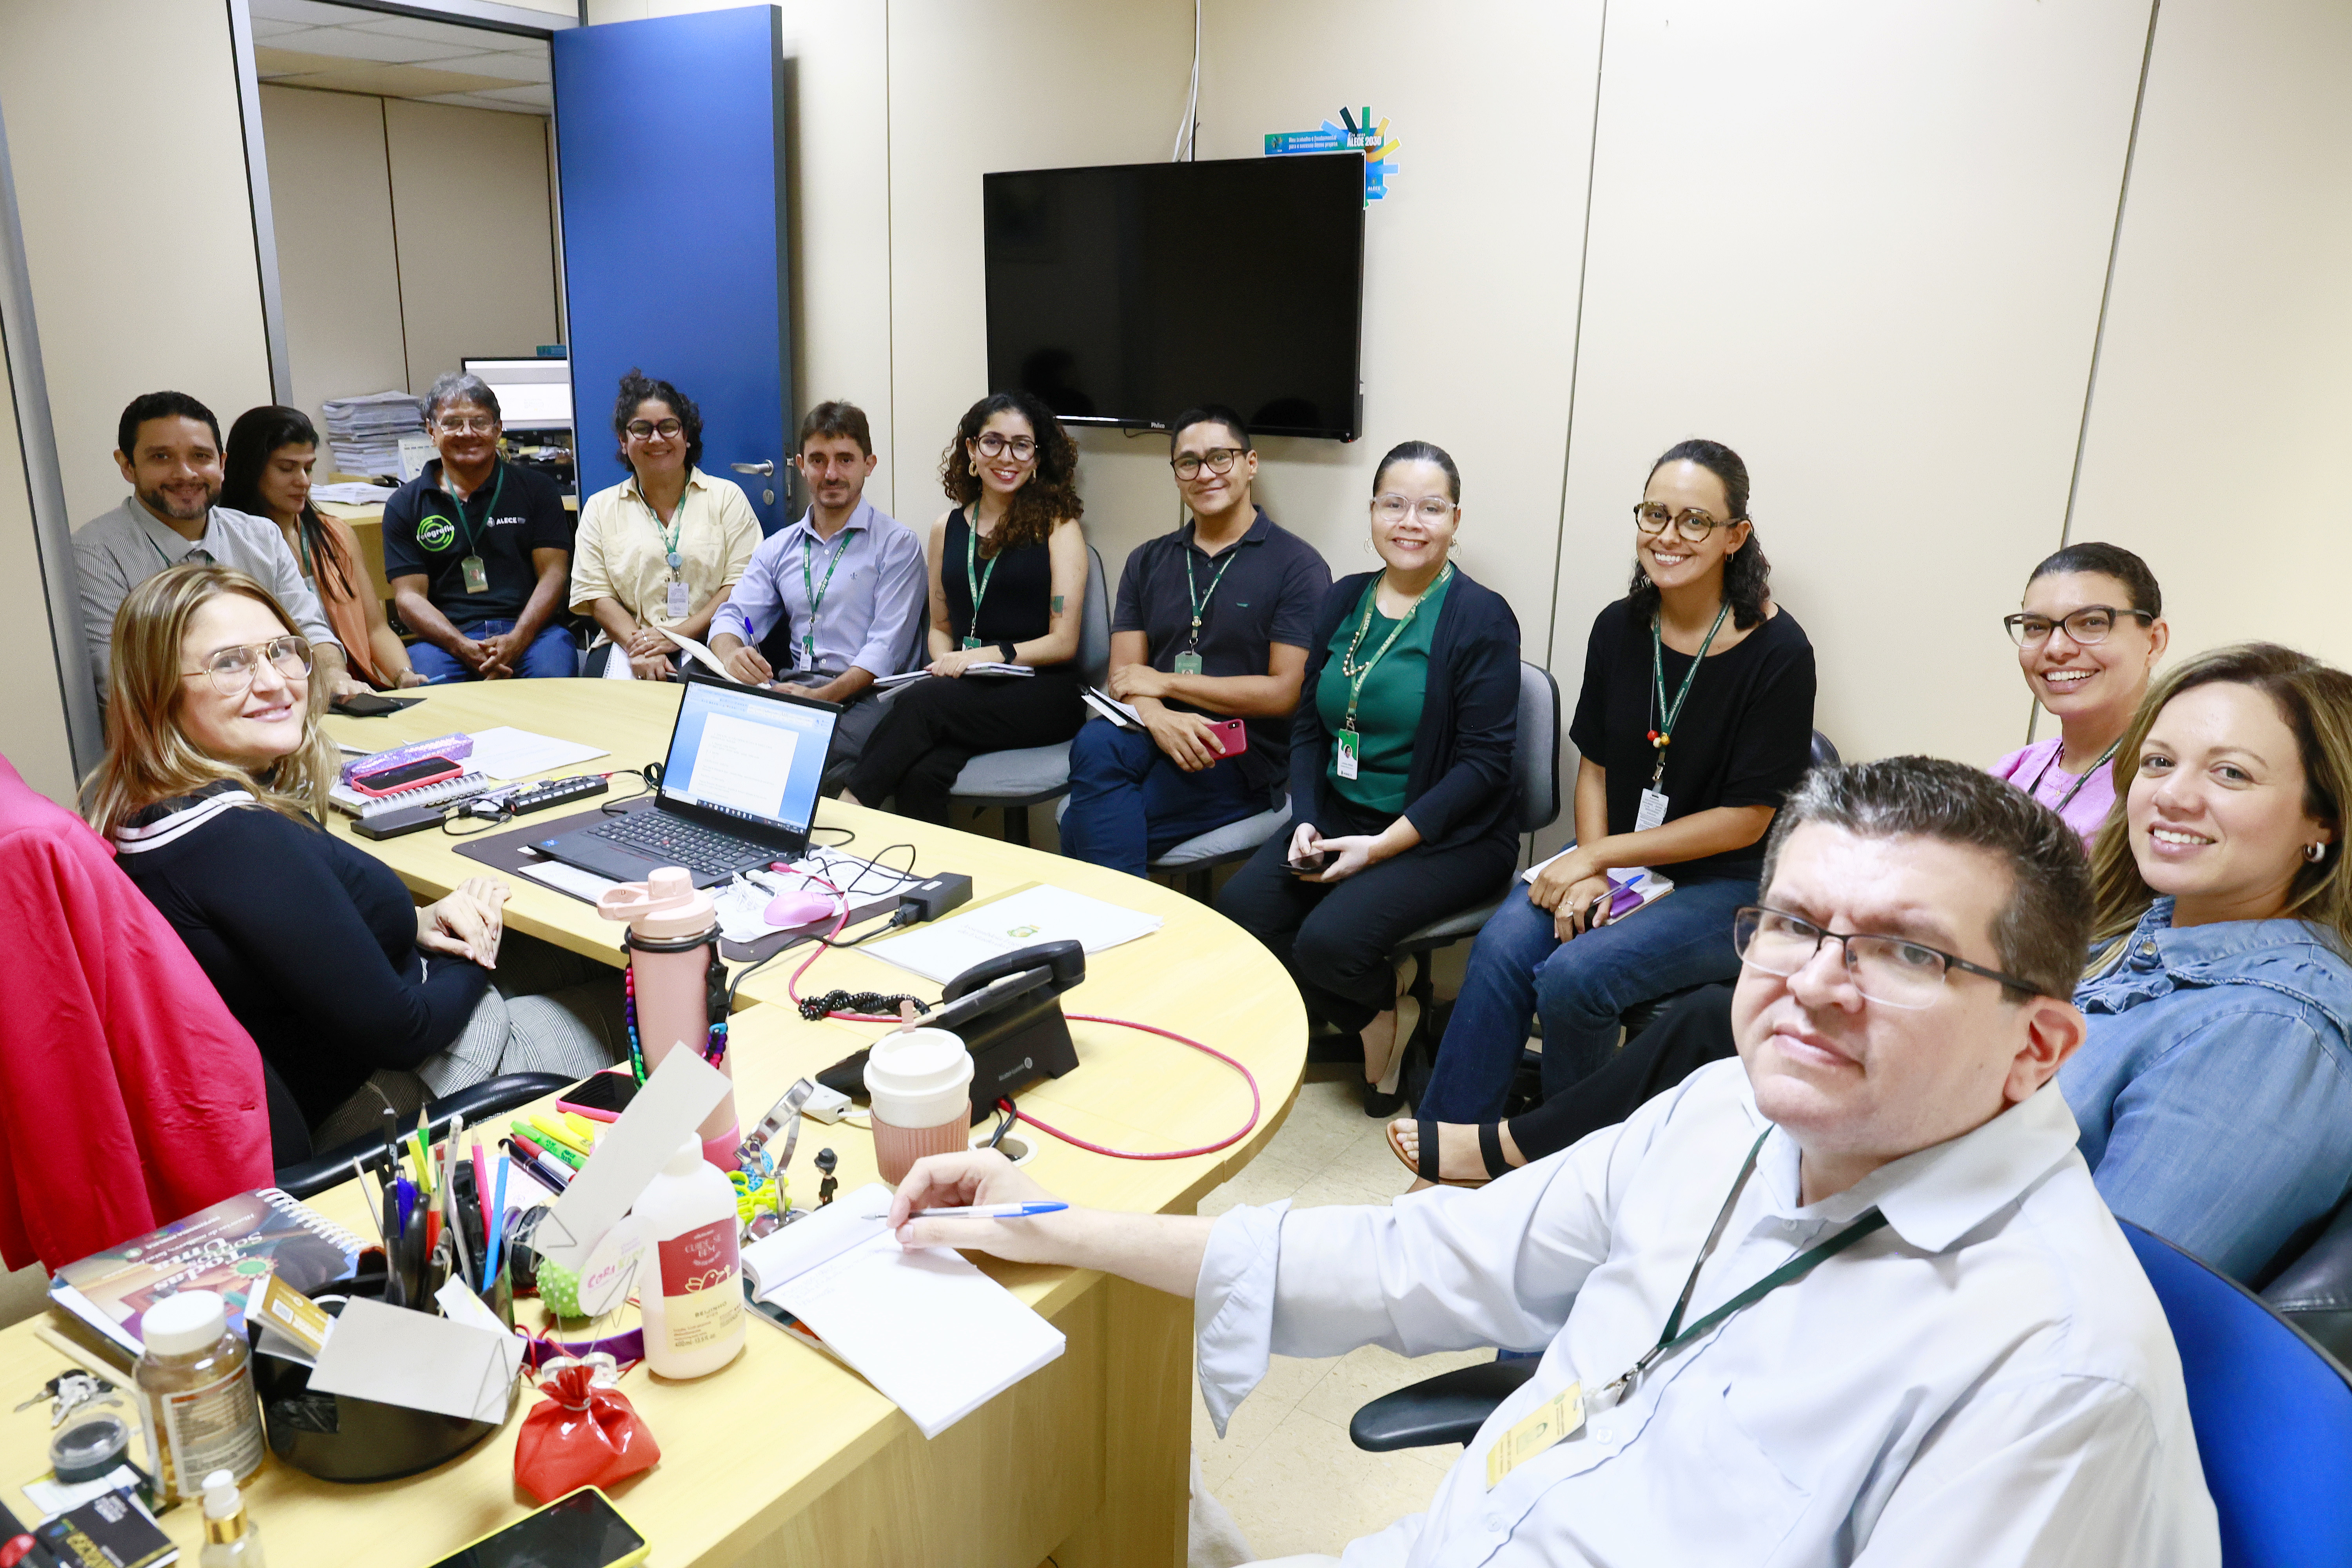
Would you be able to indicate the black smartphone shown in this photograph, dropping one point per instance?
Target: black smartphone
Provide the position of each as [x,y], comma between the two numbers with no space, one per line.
[580,1530]
[1309,863]
[371,705]
[606,1091]
[423,771]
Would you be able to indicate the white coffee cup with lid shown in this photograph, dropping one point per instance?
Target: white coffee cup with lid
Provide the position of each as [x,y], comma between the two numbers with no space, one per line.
[920,1082]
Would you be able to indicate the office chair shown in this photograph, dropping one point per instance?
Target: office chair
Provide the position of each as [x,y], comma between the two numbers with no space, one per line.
[477,1103]
[2273,1412]
[1024,776]
[1197,857]
[2313,1290]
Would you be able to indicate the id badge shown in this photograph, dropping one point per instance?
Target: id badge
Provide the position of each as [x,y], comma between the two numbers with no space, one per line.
[971,642]
[1652,813]
[679,607]
[478,575]
[1187,664]
[1560,1417]
[1344,759]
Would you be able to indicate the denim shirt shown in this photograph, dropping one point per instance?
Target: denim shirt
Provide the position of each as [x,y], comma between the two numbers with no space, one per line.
[2214,1092]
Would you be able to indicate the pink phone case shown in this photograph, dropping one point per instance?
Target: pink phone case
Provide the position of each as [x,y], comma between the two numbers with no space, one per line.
[1233,734]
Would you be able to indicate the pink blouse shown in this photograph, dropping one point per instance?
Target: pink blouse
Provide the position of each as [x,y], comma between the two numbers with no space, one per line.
[2034,769]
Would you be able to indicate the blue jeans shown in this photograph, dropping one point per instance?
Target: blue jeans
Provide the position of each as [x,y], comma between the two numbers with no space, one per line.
[1129,801]
[550,656]
[1519,969]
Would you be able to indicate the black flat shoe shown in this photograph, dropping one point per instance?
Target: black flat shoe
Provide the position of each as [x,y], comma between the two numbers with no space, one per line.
[1378,1105]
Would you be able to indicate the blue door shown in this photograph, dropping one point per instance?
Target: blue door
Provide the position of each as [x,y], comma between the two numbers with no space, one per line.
[670,150]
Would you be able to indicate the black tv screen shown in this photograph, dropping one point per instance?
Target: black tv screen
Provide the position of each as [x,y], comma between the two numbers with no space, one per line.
[1123,295]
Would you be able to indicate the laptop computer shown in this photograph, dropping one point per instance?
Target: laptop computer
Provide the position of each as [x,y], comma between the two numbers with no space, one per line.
[737,790]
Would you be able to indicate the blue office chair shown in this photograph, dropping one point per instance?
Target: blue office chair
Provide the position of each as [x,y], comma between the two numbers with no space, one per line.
[2273,1412]
[1024,776]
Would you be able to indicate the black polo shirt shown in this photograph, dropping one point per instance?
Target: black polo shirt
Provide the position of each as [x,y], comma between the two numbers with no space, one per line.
[1270,593]
[426,534]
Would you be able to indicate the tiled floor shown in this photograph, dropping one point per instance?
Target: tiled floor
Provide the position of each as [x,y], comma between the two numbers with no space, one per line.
[1284,1467]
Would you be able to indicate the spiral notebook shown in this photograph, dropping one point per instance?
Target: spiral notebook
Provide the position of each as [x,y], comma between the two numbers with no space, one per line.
[232,1248]
[448,792]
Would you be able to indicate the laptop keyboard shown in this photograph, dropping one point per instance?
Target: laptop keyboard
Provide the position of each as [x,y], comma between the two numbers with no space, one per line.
[674,841]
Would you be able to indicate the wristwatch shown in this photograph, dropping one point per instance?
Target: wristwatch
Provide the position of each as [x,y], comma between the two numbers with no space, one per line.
[1007,650]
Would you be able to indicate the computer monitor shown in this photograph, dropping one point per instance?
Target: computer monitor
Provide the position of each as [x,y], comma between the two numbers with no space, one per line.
[533,393]
[747,756]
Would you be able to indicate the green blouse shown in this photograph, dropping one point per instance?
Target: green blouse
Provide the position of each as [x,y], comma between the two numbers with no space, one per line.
[1387,713]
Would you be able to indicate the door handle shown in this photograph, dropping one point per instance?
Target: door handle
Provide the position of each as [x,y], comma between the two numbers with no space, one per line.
[767,469]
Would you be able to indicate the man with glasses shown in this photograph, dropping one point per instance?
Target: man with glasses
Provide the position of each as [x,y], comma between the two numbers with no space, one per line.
[1211,622]
[479,550]
[835,601]
[1851,1298]
[169,450]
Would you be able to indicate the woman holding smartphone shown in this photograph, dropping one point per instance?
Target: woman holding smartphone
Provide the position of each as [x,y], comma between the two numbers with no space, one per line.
[1401,809]
[1695,719]
[214,776]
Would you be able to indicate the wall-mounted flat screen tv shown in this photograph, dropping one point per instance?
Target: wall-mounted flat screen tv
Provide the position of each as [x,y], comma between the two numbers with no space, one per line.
[1123,295]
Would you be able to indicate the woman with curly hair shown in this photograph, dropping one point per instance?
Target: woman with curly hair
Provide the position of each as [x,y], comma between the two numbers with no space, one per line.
[1008,567]
[662,548]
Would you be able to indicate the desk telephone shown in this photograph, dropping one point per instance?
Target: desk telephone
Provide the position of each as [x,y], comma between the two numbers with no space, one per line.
[1009,1016]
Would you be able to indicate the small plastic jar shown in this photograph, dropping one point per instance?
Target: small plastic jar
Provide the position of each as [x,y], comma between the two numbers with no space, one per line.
[195,1381]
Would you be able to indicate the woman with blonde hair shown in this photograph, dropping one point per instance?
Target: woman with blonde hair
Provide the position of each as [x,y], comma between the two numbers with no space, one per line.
[214,779]
[2215,1087]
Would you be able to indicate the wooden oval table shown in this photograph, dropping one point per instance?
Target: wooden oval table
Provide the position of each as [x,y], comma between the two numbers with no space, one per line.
[784,1456]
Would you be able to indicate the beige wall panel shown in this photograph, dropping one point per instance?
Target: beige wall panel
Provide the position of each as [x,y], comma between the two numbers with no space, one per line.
[1470,259]
[1863,245]
[32,706]
[469,206]
[2229,326]
[330,195]
[131,180]
[1026,84]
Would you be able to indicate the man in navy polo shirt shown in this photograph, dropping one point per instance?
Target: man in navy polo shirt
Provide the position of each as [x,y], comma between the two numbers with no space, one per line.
[1212,623]
[478,551]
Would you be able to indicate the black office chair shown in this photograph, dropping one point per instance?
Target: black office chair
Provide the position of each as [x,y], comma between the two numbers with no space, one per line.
[476,1104]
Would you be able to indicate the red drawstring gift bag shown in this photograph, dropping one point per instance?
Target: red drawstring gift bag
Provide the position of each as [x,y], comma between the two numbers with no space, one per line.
[580,1436]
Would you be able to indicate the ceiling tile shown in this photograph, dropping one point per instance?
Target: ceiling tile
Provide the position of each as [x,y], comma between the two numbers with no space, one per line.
[270,61]
[350,43]
[535,97]
[472,41]
[390,80]
[264,28]
[308,12]
[475,101]
[514,66]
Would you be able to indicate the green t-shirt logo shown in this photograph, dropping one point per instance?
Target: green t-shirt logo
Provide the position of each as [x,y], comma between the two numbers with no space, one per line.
[436,532]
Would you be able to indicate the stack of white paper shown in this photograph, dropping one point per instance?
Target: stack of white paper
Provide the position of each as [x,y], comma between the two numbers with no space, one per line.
[946,949]
[364,432]
[935,1335]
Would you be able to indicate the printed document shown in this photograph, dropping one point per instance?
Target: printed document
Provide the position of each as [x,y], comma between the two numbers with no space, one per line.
[1035,915]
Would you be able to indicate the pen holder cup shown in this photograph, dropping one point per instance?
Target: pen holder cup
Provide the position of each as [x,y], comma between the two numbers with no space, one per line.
[339,1439]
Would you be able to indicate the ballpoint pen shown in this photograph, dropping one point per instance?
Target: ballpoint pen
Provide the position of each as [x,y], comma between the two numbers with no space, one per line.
[498,1217]
[985,1211]
[530,1167]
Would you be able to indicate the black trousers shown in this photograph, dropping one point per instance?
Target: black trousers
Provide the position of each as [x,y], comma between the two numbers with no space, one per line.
[1334,938]
[1687,1033]
[931,728]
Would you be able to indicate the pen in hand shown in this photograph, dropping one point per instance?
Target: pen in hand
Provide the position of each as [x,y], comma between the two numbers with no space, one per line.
[982,1211]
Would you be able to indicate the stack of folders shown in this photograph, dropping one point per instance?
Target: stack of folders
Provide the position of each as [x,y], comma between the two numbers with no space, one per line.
[935,1335]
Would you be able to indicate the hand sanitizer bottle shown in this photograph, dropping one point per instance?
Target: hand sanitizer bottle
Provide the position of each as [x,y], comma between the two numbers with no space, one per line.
[690,1290]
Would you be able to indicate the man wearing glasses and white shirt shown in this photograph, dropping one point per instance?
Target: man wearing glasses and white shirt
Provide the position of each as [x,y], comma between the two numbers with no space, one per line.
[845,583]
[1851,1298]
[169,450]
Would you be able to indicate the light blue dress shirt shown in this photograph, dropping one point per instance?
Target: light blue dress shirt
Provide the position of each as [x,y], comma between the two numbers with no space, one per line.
[872,616]
[2215,1089]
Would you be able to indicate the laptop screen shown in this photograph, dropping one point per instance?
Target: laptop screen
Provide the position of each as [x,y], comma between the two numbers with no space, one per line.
[748,755]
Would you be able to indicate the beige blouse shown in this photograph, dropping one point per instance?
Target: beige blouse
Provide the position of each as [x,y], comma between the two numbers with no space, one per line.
[620,551]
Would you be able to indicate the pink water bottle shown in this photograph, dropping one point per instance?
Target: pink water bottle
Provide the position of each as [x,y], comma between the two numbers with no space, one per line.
[678,979]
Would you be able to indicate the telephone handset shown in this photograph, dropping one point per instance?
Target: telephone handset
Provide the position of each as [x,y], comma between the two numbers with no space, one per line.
[1006,1012]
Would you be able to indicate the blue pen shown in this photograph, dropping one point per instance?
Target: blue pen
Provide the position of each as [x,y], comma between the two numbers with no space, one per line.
[497,1227]
[987,1211]
[407,1190]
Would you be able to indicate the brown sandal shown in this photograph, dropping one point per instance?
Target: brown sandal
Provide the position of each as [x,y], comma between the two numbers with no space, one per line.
[1490,1147]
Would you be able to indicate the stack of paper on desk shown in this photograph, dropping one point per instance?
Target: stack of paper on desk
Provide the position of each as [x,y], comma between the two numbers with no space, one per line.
[935,1335]
[947,948]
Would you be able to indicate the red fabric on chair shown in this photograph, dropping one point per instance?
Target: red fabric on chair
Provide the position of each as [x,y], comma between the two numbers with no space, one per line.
[128,1095]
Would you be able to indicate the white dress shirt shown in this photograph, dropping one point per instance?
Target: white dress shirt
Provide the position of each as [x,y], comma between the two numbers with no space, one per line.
[1988,1379]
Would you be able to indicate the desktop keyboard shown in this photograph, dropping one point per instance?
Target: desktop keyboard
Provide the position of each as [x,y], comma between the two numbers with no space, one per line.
[675,841]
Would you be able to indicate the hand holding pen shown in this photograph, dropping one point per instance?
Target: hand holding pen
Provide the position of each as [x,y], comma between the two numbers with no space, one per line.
[986,1180]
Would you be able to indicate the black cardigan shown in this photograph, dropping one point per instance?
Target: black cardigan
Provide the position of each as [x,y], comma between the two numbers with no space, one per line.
[1459,790]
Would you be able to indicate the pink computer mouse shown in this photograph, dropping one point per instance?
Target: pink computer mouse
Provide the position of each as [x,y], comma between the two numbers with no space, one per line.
[798,909]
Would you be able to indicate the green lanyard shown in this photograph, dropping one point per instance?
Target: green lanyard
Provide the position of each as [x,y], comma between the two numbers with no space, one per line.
[1201,600]
[676,526]
[974,579]
[465,522]
[1359,673]
[1666,730]
[1675,1336]
[816,591]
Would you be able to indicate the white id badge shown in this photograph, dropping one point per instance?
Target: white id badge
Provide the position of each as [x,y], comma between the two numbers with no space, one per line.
[1344,756]
[679,607]
[1652,813]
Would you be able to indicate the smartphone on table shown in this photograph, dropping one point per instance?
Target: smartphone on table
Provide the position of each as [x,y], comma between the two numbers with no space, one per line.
[407,775]
[579,1530]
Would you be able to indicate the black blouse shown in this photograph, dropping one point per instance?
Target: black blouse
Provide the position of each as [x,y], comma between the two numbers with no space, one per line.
[1015,606]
